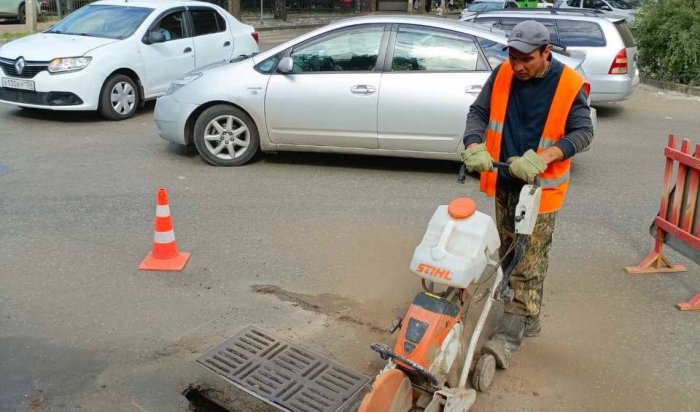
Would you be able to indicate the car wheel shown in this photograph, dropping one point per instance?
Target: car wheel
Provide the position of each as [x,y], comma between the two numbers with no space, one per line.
[22,15]
[119,98]
[226,136]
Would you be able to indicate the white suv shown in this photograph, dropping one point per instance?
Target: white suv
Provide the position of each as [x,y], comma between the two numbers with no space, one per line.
[611,51]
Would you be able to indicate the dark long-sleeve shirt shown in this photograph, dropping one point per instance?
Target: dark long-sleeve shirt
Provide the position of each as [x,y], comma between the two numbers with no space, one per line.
[526,115]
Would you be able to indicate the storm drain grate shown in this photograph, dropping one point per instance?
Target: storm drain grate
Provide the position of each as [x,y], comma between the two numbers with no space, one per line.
[283,374]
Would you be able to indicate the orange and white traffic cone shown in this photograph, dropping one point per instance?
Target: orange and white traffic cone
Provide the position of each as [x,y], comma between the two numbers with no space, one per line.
[164,256]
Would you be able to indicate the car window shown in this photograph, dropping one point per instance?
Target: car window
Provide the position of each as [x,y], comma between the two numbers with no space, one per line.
[580,33]
[172,26]
[594,4]
[350,50]
[507,24]
[625,33]
[621,4]
[485,6]
[493,51]
[511,5]
[114,22]
[573,3]
[486,21]
[206,22]
[432,50]
[266,66]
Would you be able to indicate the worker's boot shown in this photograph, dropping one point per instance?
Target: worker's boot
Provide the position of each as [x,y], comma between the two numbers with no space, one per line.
[532,326]
[506,339]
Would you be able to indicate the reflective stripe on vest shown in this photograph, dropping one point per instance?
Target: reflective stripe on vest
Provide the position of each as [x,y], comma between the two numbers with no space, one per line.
[555,179]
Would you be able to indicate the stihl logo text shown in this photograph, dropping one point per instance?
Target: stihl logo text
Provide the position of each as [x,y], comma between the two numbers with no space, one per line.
[431,270]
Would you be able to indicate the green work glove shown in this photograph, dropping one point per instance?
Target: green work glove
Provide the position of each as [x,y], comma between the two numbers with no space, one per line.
[477,159]
[527,166]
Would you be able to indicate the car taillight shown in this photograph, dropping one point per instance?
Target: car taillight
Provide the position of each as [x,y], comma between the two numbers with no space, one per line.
[256,37]
[587,88]
[619,65]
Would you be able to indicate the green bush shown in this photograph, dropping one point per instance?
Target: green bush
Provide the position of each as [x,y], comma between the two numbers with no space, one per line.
[668,34]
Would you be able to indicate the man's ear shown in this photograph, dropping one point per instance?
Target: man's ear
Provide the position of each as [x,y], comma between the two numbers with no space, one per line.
[547,51]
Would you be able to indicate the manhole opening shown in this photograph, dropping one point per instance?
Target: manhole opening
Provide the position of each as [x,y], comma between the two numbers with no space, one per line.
[200,403]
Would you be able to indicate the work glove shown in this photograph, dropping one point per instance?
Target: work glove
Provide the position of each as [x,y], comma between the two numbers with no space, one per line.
[477,159]
[527,166]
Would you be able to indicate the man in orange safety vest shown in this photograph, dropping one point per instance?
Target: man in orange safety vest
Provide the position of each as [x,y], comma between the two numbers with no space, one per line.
[533,113]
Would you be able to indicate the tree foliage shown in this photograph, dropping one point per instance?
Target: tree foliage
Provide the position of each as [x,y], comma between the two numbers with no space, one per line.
[668,34]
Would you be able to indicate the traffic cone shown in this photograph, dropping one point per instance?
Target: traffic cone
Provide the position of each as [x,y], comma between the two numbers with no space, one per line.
[164,256]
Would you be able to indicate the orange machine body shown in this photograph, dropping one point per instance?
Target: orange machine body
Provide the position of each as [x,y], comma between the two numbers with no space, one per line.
[428,321]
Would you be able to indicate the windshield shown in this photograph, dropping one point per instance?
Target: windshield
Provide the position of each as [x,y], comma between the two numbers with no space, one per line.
[620,4]
[113,22]
[485,6]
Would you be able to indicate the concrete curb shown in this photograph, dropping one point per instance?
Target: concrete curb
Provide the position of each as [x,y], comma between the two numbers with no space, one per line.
[301,26]
[673,87]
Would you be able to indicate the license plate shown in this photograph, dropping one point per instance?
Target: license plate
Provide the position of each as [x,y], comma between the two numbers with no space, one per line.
[18,84]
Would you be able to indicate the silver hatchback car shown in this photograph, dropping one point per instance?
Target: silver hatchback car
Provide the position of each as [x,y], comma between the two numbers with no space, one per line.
[611,51]
[377,85]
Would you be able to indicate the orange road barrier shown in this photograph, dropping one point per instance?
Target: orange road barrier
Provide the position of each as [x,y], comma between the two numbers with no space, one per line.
[677,213]
[164,256]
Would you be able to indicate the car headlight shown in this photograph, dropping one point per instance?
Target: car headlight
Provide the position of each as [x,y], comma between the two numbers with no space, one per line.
[68,64]
[182,81]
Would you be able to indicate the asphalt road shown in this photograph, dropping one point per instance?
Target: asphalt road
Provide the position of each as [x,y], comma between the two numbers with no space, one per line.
[82,329]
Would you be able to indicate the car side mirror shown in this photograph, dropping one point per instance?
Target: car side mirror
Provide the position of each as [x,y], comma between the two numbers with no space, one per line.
[606,8]
[286,65]
[155,37]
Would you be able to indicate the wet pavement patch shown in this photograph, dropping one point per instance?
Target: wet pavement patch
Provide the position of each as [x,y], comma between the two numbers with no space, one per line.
[344,309]
[37,374]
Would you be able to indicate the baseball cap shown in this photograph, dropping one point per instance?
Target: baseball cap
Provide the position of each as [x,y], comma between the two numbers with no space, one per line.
[527,36]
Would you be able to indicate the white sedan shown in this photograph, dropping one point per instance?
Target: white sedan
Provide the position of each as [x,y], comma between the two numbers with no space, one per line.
[111,56]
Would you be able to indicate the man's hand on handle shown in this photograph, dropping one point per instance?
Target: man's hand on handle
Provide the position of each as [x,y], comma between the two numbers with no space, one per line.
[476,158]
[527,166]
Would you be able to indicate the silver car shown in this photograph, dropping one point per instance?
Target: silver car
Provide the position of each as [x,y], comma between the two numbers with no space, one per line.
[611,51]
[614,7]
[376,85]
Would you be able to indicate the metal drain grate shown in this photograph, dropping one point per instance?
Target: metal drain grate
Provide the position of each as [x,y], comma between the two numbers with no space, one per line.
[283,374]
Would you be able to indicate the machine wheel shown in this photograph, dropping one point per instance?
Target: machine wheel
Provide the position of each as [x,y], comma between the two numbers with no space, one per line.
[226,136]
[483,374]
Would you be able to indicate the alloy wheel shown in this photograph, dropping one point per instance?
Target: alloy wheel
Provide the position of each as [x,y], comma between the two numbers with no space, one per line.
[227,137]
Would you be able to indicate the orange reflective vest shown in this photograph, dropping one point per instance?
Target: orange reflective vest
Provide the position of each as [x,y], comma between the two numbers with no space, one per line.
[555,179]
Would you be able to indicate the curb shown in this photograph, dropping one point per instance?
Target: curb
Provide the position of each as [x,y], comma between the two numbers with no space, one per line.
[673,87]
[301,26]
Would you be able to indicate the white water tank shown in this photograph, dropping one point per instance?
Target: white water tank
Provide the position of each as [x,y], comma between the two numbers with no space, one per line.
[456,246]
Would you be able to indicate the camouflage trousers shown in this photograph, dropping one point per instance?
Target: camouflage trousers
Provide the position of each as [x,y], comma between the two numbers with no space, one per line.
[527,279]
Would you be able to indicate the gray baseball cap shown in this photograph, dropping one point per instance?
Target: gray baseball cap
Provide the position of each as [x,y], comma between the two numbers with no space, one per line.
[527,36]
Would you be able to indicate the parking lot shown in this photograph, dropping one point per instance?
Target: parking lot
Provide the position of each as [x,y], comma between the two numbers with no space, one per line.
[314,248]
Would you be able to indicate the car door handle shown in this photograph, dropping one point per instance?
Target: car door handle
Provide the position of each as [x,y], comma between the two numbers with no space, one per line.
[228,43]
[362,89]
[187,50]
[473,89]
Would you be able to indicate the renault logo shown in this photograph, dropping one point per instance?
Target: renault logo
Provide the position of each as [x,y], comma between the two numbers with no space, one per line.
[19,65]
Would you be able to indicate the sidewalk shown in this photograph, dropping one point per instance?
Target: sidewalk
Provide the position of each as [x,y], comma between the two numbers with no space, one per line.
[294,20]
